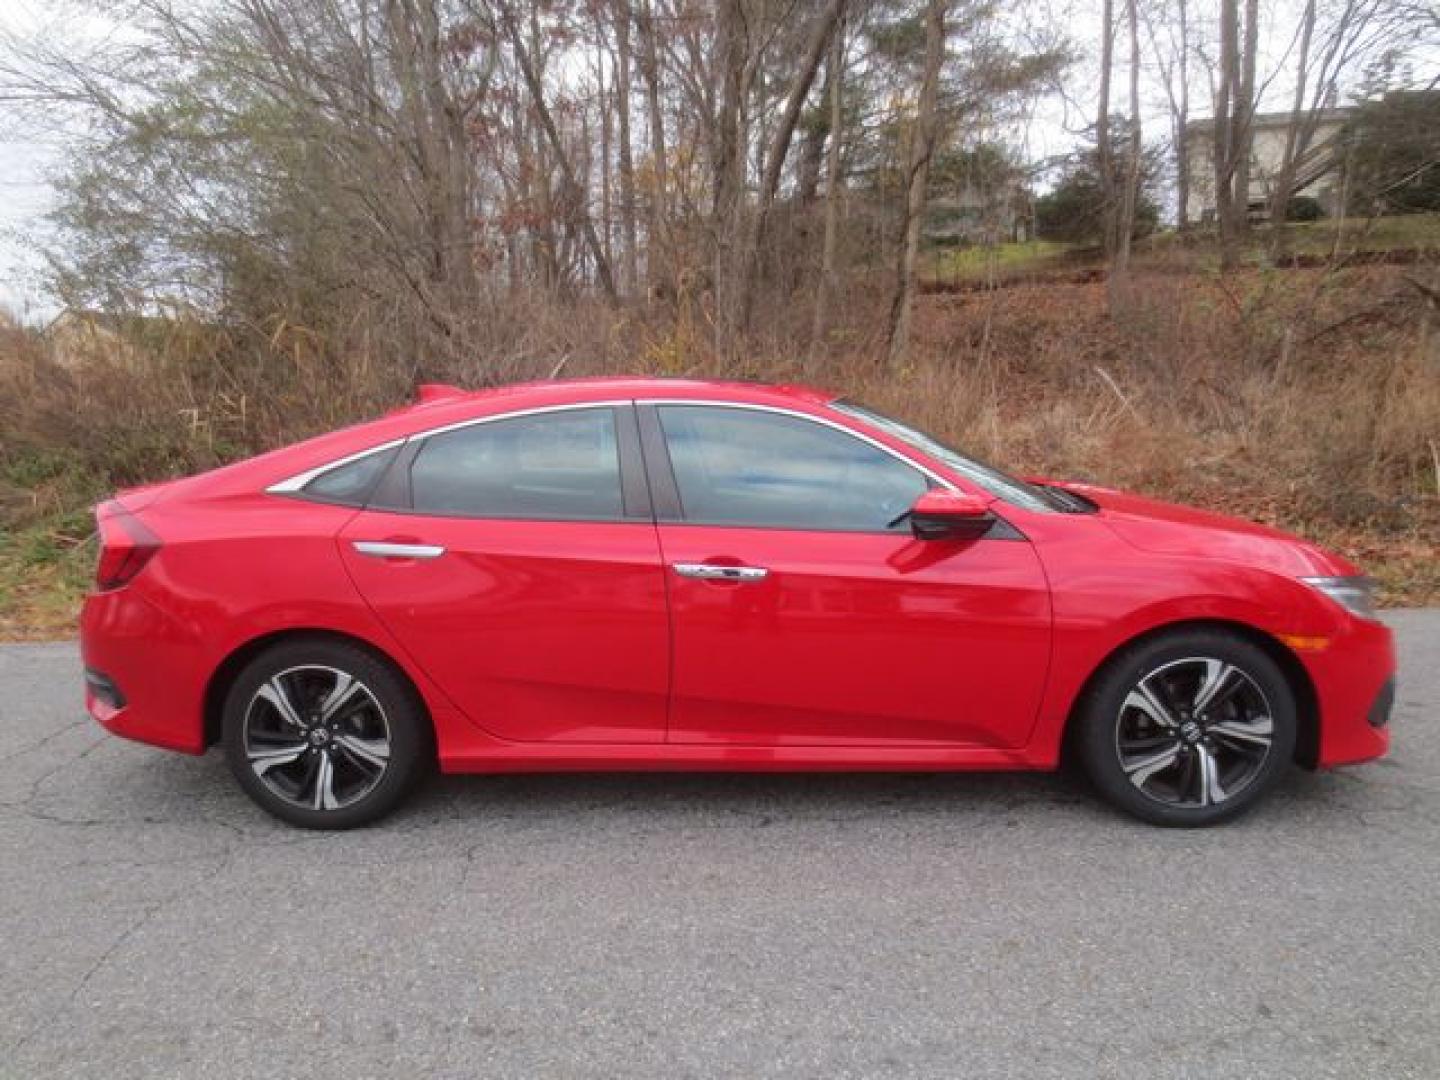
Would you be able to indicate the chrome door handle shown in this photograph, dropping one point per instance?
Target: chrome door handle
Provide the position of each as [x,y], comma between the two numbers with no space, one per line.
[712,572]
[385,549]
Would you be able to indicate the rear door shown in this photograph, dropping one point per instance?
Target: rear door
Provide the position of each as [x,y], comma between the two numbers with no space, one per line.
[515,558]
[806,614]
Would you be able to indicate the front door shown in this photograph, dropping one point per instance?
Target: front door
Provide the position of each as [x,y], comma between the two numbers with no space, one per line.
[806,614]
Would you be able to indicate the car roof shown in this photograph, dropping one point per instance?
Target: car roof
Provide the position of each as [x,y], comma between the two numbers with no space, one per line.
[601,388]
[439,406]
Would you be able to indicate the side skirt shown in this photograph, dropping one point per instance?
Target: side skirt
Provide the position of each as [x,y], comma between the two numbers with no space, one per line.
[516,758]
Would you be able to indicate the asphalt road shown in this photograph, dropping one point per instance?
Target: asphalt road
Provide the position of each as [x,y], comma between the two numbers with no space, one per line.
[152,923]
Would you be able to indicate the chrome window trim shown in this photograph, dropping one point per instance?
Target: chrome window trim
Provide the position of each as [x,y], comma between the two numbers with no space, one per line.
[822,421]
[292,485]
[537,410]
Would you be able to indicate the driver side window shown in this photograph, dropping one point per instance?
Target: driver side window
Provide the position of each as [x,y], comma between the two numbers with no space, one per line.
[767,470]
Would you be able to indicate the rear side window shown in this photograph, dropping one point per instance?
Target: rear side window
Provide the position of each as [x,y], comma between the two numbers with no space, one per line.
[351,484]
[762,469]
[549,466]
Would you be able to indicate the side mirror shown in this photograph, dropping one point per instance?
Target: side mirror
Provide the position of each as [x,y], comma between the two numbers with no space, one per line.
[949,515]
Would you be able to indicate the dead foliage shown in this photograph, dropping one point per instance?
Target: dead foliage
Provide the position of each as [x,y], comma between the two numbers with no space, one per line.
[1305,398]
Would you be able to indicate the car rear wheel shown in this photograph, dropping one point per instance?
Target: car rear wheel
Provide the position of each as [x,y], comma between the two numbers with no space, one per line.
[1188,729]
[323,734]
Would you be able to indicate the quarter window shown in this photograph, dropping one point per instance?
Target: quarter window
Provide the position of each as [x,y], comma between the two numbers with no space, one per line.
[763,469]
[557,466]
[350,484]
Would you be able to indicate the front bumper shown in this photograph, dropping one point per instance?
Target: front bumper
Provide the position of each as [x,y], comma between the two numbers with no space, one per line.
[1354,678]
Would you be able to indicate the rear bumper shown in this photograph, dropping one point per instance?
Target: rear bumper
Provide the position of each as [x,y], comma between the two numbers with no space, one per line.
[1354,687]
[145,671]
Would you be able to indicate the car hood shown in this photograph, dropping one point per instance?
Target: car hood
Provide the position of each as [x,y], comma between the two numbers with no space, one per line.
[1172,529]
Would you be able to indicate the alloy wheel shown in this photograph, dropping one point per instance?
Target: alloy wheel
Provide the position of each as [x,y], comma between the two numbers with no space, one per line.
[317,737]
[1194,733]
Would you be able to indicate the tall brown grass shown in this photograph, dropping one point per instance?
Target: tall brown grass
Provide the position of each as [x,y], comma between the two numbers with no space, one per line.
[1308,398]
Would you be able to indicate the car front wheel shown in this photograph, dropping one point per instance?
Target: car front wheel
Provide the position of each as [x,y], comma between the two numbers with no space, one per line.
[1188,729]
[324,735]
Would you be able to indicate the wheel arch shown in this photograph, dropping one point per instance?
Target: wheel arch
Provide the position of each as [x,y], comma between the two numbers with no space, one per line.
[1307,710]
[229,669]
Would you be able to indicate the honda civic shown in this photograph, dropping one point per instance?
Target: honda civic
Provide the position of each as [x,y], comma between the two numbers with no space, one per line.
[653,574]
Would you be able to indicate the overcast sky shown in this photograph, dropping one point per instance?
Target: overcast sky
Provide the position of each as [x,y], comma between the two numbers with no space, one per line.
[24,199]
[24,193]
[26,157]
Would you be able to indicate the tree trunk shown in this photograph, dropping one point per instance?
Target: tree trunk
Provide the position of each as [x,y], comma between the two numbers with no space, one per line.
[1244,116]
[729,178]
[628,233]
[812,148]
[1182,122]
[1130,197]
[826,283]
[657,242]
[922,148]
[1234,129]
[607,211]
[1224,135]
[1104,151]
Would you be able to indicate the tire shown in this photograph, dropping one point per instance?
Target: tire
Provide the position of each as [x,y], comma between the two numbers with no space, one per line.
[324,734]
[1213,698]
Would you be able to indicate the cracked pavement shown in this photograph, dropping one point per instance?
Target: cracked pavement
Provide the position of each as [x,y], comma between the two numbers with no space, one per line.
[154,923]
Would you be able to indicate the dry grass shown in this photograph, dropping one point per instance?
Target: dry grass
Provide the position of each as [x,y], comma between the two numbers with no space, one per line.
[1305,398]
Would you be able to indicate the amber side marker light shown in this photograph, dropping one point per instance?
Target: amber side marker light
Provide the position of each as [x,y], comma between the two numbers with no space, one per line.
[1301,643]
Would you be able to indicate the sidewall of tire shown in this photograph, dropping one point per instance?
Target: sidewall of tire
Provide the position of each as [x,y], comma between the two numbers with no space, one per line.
[411,740]
[1100,709]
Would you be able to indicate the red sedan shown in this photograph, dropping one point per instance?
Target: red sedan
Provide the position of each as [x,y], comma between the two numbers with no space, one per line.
[642,574]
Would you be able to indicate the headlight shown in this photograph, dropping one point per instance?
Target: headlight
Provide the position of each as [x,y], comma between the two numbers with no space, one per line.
[1355,594]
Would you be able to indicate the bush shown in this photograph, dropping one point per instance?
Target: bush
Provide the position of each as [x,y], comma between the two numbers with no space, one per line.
[1074,212]
[1394,144]
[1304,208]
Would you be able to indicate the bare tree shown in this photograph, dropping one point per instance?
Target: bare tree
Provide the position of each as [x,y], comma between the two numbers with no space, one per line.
[728,158]
[1334,41]
[573,189]
[923,137]
[826,284]
[1173,62]
[1233,134]
[629,232]
[778,146]
[1104,149]
[607,216]
[738,234]
[439,162]
[1130,196]
[1246,103]
[650,72]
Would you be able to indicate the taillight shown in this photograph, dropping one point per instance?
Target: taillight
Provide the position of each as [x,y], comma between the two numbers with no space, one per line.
[126,545]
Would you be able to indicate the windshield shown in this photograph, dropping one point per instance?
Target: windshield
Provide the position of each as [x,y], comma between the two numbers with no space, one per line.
[1017,492]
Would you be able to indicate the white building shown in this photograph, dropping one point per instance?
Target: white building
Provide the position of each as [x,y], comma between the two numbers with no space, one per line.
[1319,175]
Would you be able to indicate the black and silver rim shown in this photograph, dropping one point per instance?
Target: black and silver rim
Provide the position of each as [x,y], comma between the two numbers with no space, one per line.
[1194,733]
[317,737]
